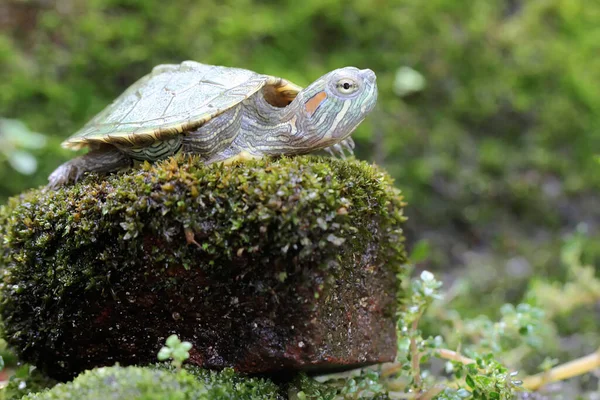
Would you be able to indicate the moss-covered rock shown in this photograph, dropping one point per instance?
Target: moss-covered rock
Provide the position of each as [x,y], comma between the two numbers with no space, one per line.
[293,266]
[136,383]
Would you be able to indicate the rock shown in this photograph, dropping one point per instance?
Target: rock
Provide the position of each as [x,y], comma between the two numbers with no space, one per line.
[267,266]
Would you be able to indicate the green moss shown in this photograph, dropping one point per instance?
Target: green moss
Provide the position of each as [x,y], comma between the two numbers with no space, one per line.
[107,261]
[229,384]
[135,383]
[234,201]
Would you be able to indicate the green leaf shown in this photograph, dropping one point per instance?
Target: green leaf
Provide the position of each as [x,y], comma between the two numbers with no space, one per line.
[172,341]
[180,354]
[164,354]
[185,346]
[470,381]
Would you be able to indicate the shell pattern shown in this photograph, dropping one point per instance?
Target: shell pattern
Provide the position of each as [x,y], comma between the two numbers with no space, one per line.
[172,99]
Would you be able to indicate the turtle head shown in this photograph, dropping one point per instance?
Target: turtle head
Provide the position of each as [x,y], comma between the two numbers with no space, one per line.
[335,104]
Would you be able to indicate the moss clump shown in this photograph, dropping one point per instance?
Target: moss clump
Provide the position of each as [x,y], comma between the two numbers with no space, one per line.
[136,383]
[294,266]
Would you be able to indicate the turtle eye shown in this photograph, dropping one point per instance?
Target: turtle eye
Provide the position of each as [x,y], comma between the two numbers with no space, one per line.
[346,86]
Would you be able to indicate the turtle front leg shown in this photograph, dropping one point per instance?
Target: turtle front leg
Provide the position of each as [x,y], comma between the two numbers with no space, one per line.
[100,160]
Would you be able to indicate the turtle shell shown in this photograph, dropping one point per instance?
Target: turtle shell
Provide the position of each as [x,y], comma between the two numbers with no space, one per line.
[174,99]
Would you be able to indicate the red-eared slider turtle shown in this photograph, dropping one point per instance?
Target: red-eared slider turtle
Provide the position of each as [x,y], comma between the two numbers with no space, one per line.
[222,114]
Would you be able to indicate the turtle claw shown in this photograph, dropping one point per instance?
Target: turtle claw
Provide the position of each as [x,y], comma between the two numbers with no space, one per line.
[63,175]
[338,149]
[330,152]
[348,145]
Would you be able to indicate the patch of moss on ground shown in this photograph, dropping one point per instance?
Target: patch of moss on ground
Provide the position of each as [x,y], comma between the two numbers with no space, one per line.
[110,255]
[164,381]
[136,383]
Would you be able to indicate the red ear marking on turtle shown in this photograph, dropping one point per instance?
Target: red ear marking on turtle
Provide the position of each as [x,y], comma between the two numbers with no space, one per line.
[314,103]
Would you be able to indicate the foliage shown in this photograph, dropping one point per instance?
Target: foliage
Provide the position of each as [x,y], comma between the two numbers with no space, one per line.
[24,380]
[482,377]
[580,289]
[356,384]
[524,338]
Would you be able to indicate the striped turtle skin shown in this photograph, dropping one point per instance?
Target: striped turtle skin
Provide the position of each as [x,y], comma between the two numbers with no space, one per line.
[222,114]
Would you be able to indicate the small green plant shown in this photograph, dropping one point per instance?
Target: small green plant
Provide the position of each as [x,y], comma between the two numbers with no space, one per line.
[176,350]
[24,379]
[482,376]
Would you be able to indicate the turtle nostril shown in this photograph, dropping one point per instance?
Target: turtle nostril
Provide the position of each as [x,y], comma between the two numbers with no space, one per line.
[368,75]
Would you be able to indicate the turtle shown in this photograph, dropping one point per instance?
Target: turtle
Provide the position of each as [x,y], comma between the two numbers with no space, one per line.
[222,114]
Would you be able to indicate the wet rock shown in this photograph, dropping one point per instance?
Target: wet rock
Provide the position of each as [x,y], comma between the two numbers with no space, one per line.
[264,267]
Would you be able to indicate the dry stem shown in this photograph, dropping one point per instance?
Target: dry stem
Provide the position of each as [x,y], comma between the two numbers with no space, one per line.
[565,371]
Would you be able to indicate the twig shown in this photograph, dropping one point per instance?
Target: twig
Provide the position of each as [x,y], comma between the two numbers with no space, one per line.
[415,356]
[431,393]
[391,368]
[401,396]
[454,356]
[565,371]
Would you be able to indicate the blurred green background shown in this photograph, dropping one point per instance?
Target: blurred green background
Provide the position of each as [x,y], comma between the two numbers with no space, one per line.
[489,111]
